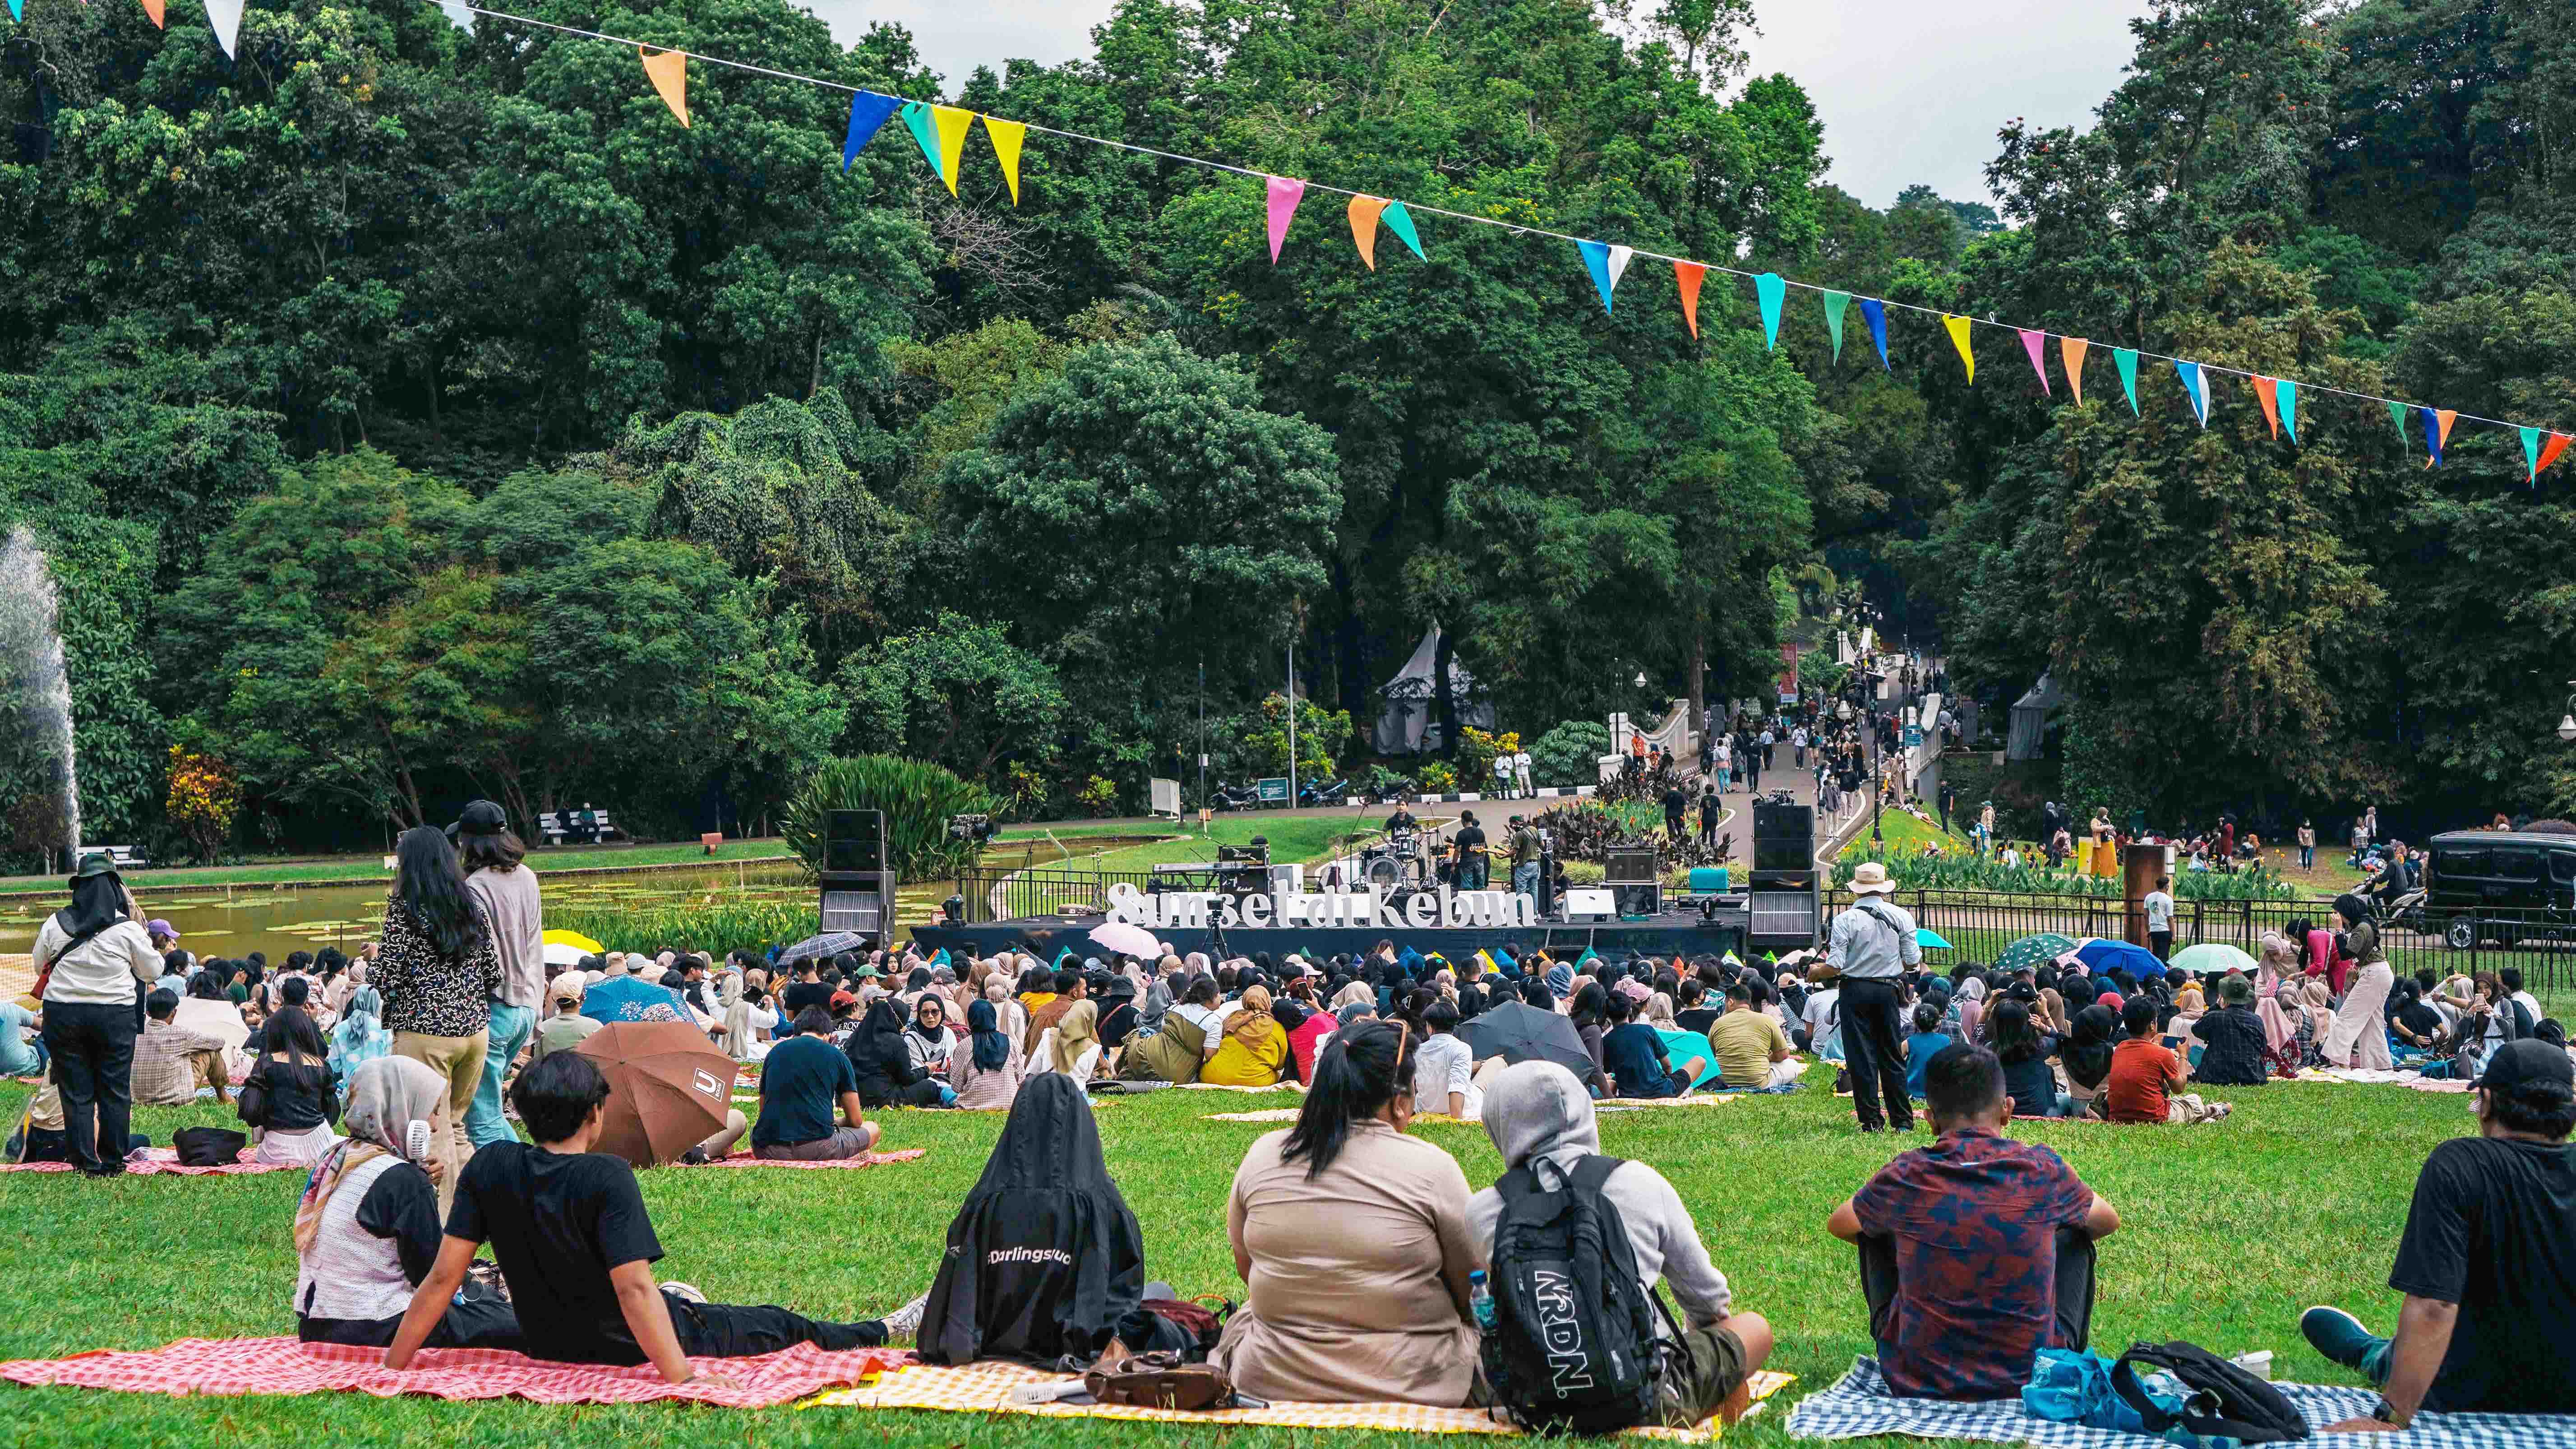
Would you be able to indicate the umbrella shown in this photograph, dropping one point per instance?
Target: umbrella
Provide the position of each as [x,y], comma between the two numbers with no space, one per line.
[632,998]
[1120,939]
[2033,951]
[830,943]
[668,1088]
[1929,940]
[1681,1046]
[564,953]
[2102,955]
[2212,957]
[1519,1032]
[575,939]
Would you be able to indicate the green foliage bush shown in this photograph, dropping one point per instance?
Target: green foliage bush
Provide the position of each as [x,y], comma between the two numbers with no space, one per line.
[917,797]
[1569,753]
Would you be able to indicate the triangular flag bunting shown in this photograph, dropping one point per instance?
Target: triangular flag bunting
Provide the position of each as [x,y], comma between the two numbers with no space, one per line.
[1688,276]
[2531,452]
[1619,258]
[1607,264]
[1364,212]
[1284,196]
[868,112]
[2397,415]
[1770,290]
[951,124]
[2549,452]
[2437,432]
[1874,312]
[2271,409]
[1836,303]
[2127,358]
[2288,393]
[2070,351]
[18,11]
[1959,339]
[1400,221]
[668,71]
[223,15]
[2036,343]
[151,8]
[916,119]
[2195,387]
[1006,137]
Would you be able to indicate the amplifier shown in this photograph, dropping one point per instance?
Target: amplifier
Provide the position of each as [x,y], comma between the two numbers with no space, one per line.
[1629,865]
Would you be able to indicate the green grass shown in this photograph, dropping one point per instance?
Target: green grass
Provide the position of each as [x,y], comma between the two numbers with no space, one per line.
[1904,835]
[1293,838]
[2229,1232]
[372,868]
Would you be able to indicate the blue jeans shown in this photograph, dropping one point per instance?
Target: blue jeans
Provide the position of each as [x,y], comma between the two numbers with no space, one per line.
[510,1029]
[1525,879]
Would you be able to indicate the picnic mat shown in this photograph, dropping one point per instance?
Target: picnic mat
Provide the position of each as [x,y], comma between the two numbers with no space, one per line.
[285,1366]
[1861,1406]
[867,1159]
[2372,1077]
[985,1388]
[157,1160]
[1297,1087]
[1607,1104]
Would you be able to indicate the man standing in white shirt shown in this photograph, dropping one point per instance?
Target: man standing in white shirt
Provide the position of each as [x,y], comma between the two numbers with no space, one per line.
[2159,905]
[1521,767]
[96,959]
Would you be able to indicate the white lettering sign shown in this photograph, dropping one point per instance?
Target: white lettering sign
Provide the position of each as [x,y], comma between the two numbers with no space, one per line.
[1369,908]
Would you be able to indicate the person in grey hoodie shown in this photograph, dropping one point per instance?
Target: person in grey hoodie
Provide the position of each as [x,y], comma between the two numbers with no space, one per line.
[1538,1110]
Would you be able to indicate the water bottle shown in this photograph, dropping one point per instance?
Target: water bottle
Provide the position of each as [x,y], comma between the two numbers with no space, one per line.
[1480,1300]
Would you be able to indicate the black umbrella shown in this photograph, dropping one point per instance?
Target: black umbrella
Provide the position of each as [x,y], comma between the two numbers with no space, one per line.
[1519,1032]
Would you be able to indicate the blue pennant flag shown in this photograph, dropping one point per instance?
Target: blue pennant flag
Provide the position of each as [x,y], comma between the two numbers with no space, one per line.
[868,111]
[2196,387]
[1876,312]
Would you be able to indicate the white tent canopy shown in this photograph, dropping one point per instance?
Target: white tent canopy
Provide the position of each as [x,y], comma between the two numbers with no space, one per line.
[2030,718]
[1411,721]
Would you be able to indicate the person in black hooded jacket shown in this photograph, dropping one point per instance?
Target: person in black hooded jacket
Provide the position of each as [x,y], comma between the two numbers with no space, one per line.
[1045,1264]
[887,1076]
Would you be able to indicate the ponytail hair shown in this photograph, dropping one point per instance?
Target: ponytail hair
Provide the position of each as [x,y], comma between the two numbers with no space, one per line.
[1359,1071]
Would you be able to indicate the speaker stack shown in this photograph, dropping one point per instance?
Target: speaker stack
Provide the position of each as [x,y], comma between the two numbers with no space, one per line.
[857,883]
[1783,898]
[1634,878]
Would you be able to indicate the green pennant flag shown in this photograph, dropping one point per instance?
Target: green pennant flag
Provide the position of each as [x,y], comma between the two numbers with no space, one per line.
[1400,221]
[916,118]
[2397,415]
[2531,454]
[1835,302]
[1770,289]
[2127,357]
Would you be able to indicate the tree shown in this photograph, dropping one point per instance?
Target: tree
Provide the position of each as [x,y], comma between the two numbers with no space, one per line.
[958,693]
[203,799]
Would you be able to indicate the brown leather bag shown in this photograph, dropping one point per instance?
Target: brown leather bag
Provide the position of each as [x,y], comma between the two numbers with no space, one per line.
[1160,1381]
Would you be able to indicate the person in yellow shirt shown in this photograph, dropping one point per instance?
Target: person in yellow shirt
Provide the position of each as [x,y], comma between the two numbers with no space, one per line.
[1255,1049]
[1751,1049]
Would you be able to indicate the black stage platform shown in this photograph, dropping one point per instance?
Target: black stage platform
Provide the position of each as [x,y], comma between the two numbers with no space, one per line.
[1672,933]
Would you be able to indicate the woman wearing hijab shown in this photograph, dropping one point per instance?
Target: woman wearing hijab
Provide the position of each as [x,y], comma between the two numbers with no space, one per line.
[2086,1055]
[1560,983]
[439,972]
[927,1036]
[367,1229]
[1014,1017]
[887,1076]
[360,1037]
[94,961]
[1255,1049]
[291,1095]
[2360,1035]
[1175,1051]
[2315,1021]
[985,1069]
[2279,1015]
[1971,1008]
[1044,1261]
[1072,1045]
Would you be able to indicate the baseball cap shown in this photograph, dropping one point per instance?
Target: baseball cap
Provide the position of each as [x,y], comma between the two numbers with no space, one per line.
[159,927]
[843,998]
[480,817]
[2524,1061]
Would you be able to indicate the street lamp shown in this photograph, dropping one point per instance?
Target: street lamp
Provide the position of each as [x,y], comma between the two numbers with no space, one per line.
[2567,721]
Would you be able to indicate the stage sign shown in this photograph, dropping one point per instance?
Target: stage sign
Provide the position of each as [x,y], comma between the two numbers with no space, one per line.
[1369,908]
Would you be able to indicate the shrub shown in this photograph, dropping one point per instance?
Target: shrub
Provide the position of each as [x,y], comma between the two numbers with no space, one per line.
[743,925]
[1098,795]
[1438,779]
[917,798]
[1569,753]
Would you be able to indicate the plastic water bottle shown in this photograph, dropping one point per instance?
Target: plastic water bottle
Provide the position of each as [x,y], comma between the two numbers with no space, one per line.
[1480,1300]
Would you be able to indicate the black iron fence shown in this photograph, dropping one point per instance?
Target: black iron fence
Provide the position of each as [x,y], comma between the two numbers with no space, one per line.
[1000,894]
[1979,924]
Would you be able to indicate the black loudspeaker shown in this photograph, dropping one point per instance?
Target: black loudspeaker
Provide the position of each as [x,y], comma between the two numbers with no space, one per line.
[854,840]
[1784,840]
[1629,865]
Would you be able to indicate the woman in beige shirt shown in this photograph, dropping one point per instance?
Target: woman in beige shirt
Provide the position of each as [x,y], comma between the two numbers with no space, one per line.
[1353,1240]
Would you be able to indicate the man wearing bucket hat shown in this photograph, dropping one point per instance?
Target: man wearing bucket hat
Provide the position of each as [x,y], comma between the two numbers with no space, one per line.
[1871,944]
[94,959]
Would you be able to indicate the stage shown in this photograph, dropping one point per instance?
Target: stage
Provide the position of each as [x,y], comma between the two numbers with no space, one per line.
[1670,933]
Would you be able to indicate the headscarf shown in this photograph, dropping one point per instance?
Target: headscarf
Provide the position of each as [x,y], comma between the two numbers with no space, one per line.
[1539,1110]
[984,1024]
[1659,1011]
[1252,1024]
[2278,1030]
[1074,1031]
[912,1023]
[1358,993]
[386,1096]
[98,902]
[2087,1052]
[2352,908]
[737,1023]
[1560,981]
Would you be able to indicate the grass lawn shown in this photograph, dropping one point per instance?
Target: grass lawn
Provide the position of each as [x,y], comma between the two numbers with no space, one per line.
[2229,1231]
[1904,835]
[371,867]
[1309,839]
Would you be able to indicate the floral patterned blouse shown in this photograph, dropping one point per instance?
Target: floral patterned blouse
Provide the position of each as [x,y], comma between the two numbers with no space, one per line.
[428,993]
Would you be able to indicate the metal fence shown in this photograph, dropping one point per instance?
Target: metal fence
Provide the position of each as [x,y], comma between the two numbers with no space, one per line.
[997,894]
[1978,924]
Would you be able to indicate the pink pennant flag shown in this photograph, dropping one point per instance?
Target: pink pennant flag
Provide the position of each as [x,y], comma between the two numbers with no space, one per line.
[1284,196]
[2033,343]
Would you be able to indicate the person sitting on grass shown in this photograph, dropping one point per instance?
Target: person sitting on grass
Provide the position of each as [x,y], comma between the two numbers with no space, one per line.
[2144,1071]
[887,1076]
[1634,1055]
[1977,1251]
[2239,1045]
[576,1248]
[1750,1048]
[1253,1051]
[2024,1051]
[1541,1120]
[2484,1262]
[801,1084]
[172,1061]
[1928,1041]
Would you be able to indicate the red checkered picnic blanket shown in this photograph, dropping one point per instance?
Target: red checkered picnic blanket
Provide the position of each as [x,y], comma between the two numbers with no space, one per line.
[166,1160]
[869,1159]
[285,1366]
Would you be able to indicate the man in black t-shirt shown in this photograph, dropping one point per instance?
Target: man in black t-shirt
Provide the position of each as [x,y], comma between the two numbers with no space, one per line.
[803,1079]
[1469,843]
[1676,805]
[576,1248]
[808,989]
[2487,1264]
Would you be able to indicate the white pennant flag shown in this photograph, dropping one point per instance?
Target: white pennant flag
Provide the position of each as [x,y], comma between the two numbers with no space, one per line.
[1619,258]
[225,16]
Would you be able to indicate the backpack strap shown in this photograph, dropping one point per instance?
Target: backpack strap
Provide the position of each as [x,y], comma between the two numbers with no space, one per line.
[1593,1171]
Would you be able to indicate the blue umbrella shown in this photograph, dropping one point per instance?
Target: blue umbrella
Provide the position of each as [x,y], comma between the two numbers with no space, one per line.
[1929,940]
[2102,955]
[631,998]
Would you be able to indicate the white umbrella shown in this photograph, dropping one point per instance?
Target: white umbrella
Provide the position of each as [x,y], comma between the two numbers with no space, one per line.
[1119,938]
[563,953]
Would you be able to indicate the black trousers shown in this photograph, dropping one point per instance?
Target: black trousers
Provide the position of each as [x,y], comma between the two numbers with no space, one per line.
[2161,942]
[91,1044]
[724,1330]
[1873,1052]
[1878,1281]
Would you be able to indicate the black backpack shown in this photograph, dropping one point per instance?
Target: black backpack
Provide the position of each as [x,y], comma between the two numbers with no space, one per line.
[2221,1398]
[1573,1348]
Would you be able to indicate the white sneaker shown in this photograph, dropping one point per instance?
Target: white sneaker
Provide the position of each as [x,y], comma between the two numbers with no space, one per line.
[905,1321]
[687,1291]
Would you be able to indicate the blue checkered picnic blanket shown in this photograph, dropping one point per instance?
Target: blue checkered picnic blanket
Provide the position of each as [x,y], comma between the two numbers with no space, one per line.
[1861,1405]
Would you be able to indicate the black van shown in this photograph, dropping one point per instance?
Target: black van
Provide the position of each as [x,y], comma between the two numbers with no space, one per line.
[2501,886]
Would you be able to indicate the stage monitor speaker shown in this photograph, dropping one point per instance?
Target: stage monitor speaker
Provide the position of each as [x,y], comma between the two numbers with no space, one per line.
[1629,865]
[1784,840]
[1590,906]
[1638,900]
[854,840]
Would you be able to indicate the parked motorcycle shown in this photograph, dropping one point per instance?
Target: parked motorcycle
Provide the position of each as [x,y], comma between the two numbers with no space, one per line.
[1234,797]
[1325,794]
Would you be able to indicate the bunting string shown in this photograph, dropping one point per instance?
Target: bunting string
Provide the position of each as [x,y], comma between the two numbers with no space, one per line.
[940,130]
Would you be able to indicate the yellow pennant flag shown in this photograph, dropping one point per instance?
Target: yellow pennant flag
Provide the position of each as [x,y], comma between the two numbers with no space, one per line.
[1006,137]
[1959,339]
[2073,349]
[952,123]
[1364,214]
[669,72]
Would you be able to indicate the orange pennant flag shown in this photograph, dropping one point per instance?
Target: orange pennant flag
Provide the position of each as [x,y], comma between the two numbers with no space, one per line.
[153,9]
[2267,392]
[669,72]
[2549,453]
[2072,349]
[2448,417]
[1689,275]
[1364,213]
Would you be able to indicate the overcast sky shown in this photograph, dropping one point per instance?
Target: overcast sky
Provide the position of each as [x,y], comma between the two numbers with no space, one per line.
[1910,90]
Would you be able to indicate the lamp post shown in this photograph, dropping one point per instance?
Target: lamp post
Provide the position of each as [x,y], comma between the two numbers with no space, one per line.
[2567,720]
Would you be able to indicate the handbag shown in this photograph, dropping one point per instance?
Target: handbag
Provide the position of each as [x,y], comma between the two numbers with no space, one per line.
[1160,1381]
[2221,1398]
[209,1146]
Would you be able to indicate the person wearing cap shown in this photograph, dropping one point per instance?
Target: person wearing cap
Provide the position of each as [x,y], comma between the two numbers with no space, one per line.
[567,1028]
[1871,945]
[95,960]
[495,874]
[2490,1285]
[1524,844]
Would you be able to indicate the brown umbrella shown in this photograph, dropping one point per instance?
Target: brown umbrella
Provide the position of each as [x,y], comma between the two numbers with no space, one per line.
[668,1088]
